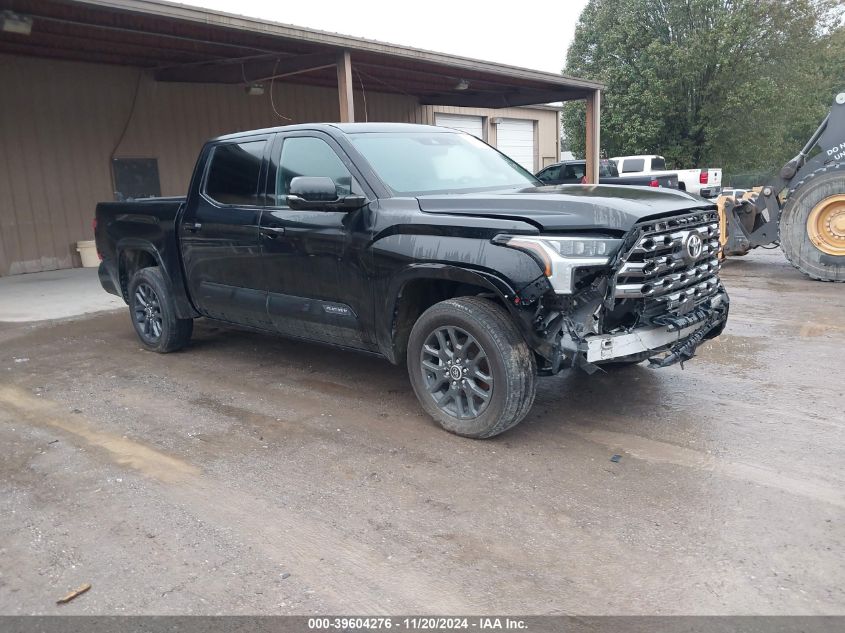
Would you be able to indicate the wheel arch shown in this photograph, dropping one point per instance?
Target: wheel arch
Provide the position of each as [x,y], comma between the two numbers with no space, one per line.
[135,254]
[420,286]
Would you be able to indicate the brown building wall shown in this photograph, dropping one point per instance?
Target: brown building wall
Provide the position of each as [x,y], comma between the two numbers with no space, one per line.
[62,122]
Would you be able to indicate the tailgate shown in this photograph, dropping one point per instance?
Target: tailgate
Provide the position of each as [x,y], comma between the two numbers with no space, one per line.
[714,177]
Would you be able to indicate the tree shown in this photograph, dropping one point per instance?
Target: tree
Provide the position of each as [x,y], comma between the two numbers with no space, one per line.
[736,83]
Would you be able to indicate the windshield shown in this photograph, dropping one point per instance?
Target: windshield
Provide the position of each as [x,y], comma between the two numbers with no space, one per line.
[419,163]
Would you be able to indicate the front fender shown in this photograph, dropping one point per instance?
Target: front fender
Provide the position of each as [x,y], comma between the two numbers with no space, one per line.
[398,259]
[449,272]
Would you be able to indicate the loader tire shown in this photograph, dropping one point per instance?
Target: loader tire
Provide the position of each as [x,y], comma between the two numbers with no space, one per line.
[812,225]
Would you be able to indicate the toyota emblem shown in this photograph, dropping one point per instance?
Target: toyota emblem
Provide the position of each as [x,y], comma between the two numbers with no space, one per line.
[694,247]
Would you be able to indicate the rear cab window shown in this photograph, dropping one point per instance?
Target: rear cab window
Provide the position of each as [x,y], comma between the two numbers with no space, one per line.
[233,176]
[633,165]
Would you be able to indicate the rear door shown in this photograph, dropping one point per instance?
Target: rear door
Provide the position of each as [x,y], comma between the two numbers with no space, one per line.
[316,280]
[219,233]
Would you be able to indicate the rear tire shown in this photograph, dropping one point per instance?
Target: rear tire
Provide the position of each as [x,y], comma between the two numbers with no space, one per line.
[470,367]
[806,198]
[153,313]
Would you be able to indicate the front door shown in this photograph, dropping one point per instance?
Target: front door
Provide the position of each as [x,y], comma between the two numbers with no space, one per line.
[313,266]
[573,173]
[219,234]
[550,175]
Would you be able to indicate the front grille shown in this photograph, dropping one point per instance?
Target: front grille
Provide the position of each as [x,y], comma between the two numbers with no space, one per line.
[660,269]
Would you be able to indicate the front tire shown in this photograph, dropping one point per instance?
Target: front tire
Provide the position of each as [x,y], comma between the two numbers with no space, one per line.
[470,367]
[153,313]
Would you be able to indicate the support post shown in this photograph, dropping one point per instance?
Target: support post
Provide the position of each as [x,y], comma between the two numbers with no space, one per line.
[346,99]
[593,136]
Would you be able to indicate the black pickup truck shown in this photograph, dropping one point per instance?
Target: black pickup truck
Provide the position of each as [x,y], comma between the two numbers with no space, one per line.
[427,247]
[575,171]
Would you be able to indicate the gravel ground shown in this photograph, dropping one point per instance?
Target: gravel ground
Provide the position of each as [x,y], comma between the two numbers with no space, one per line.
[251,475]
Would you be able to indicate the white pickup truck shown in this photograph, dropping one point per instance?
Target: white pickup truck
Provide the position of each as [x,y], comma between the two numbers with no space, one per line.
[704,182]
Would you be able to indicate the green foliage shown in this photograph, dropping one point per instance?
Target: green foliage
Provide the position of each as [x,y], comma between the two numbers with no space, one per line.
[739,84]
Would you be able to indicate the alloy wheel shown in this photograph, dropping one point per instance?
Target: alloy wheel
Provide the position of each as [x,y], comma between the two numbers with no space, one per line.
[457,372]
[147,311]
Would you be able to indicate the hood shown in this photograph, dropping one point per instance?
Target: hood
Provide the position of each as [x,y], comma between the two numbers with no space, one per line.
[569,207]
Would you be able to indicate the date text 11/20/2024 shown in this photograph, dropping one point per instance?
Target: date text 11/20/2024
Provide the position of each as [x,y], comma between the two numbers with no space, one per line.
[420,623]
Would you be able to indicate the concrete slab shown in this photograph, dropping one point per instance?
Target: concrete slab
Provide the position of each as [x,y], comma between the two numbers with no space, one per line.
[56,294]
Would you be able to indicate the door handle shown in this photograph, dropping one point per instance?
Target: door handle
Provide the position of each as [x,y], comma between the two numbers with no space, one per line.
[192,227]
[272,232]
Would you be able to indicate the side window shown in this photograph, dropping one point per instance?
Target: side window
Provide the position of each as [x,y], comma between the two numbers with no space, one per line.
[310,156]
[574,172]
[658,164]
[552,173]
[607,168]
[233,173]
[631,165]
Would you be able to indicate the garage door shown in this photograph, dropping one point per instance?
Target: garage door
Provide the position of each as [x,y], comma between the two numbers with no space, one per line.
[470,124]
[515,137]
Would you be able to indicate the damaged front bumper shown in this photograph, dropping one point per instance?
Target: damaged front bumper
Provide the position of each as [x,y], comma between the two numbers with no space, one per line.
[677,342]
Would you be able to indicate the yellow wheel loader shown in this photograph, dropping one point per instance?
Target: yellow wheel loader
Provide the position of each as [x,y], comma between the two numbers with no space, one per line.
[802,209]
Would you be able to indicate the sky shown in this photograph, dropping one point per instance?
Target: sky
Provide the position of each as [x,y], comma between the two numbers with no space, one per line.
[510,33]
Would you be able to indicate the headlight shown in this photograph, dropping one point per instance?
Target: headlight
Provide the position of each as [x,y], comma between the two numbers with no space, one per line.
[559,257]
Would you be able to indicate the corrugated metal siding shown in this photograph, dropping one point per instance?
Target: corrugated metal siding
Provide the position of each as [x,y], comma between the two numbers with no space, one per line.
[52,126]
[61,121]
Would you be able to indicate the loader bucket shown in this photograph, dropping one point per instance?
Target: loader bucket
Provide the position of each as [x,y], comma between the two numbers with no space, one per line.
[735,209]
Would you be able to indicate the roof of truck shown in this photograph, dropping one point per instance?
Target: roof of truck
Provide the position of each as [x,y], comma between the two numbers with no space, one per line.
[344,128]
[636,156]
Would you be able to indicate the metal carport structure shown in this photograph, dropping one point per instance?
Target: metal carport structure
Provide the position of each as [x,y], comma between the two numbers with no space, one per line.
[184,44]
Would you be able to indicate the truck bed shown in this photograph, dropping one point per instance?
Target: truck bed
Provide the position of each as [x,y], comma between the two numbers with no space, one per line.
[151,221]
[670,181]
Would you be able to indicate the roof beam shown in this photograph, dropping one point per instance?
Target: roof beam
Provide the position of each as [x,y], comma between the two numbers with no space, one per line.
[135,32]
[239,72]
[488,82]
[504,99]
[150,55]
[12,48]
[267,29]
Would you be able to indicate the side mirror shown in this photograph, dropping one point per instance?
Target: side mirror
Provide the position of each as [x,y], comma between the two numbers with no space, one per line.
[319,193]
[313,188]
